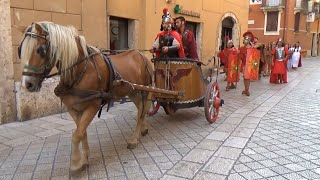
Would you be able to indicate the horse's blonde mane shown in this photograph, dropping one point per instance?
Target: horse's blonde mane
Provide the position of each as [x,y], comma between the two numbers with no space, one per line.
[63,45]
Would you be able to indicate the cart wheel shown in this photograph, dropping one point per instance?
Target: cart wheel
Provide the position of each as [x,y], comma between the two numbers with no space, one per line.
[212,102]
[154,108]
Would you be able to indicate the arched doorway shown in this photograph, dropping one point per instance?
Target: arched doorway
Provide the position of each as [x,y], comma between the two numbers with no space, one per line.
[226,31]
[229,25]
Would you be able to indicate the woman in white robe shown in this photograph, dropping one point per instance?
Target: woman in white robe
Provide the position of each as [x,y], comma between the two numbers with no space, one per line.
[296,56]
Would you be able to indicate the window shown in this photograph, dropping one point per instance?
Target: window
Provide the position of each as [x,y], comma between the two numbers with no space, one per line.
[274,2]
[296,22]
[192,27]
[272,21]
[118,33]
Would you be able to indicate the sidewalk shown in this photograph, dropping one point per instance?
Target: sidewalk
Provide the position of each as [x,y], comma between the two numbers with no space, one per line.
[273,133]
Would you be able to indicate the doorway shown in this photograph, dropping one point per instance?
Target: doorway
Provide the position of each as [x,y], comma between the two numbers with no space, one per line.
[226,31]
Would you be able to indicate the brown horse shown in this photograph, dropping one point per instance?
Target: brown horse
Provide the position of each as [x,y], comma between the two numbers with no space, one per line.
[84,72]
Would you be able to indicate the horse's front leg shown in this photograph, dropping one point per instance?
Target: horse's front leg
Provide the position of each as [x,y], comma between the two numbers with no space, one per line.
[80,135]
[85,150]
[75,156]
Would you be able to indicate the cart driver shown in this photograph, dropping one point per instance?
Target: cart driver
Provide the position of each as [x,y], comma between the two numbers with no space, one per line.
[168,42]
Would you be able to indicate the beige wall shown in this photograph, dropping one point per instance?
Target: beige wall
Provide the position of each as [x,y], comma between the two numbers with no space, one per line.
[91,19]
[88,17]
[7,95]
[149,12]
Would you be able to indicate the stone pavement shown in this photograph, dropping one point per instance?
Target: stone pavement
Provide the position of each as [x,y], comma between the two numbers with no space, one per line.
[273,134]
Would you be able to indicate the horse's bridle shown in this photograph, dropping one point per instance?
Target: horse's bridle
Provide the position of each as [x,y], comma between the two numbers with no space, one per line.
[42,71]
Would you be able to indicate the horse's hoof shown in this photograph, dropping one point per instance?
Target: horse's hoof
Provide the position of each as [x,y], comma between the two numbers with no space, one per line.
[77,170]
[131,145]
[145,132]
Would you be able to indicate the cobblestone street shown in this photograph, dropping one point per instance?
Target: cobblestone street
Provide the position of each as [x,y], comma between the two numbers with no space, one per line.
[273,134]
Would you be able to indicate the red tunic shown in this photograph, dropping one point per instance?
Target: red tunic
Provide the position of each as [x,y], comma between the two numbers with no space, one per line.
[175,35]
[224,54]
[243,57]
[189,44]
[279,67]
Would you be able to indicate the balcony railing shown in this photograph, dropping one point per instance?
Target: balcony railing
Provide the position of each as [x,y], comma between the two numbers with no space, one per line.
[271,5]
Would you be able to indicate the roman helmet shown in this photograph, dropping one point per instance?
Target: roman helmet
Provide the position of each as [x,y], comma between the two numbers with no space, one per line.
[248,37]
[166,18]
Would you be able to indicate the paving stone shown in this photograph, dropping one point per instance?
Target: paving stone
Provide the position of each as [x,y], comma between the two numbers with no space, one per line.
[235,176]
[153,175]
[209,144]
[228,152]
[236,142]
[198,155]
[293,176]
[219,165]
[206,175]
[309,174]
[218,136]
[268,163]
[241,168]
[265,172]
[250,175]
[295,167]
[254,165]
[168,177]
[184,169]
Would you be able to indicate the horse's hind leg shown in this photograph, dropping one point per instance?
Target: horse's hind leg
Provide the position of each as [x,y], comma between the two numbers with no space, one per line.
[141,127]
[144,126]
[80,136]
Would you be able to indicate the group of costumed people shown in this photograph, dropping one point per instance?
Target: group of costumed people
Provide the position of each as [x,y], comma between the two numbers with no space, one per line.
[174,39]
[250,59]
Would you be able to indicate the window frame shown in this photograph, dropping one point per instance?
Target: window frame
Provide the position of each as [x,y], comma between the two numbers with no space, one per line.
[266,20]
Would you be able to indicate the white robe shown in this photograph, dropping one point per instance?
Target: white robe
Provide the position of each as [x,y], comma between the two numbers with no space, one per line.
[289,65]
[296,57]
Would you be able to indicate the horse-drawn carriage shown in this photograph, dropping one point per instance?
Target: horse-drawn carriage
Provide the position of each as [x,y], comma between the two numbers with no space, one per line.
[89,77]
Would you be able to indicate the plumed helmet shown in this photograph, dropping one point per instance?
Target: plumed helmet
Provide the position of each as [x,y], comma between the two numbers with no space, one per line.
[248,36]
[166,18]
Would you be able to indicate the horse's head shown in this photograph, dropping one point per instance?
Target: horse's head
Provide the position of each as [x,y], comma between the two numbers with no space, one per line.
[34,52]
[44,46]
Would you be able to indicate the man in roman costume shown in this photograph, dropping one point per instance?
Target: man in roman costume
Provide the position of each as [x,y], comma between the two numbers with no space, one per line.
[279,63]
[168,42]
[250,68]
[188,39]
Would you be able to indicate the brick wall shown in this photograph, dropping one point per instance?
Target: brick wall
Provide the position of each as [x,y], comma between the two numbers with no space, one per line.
[304,37]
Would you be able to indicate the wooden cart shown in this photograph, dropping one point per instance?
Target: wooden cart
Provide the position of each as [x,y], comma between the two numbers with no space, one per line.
[194,90]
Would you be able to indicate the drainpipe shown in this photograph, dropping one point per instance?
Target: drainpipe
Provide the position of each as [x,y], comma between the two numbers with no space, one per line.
[285,20]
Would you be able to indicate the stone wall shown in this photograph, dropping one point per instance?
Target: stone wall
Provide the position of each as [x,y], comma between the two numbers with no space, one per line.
[88,17]
[7,96]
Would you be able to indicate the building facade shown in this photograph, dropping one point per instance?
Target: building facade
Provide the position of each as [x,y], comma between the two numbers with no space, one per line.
[110,24]
[291,20]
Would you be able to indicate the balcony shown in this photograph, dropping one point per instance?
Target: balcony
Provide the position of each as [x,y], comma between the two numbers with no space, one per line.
[301,6]
[272,5]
